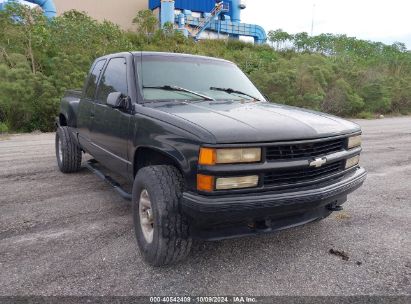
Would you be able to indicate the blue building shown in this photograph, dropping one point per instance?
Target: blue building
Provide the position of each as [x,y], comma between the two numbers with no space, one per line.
[207,18]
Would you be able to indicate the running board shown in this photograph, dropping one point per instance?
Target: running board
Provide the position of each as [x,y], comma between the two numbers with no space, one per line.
[90,165]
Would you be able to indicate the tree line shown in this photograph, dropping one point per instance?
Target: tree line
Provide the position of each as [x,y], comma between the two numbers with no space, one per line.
[40,59]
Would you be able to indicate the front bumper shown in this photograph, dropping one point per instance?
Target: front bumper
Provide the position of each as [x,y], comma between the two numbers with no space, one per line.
[218,217]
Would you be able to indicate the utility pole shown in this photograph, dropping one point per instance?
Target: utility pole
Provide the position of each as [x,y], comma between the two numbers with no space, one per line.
[312,20]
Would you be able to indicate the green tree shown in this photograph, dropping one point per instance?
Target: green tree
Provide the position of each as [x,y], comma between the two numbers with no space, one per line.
[279,38]
[146,22]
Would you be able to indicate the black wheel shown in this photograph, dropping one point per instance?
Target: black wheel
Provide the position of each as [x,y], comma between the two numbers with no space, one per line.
[68,153]
[162,232]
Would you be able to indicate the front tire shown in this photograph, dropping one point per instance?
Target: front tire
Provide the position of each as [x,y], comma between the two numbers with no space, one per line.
[162,232]
[68,153]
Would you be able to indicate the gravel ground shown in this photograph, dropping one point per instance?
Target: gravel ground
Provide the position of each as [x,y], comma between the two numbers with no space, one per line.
[73,235]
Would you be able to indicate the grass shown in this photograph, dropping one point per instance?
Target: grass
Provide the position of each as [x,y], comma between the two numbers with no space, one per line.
[365,115]
[3,128]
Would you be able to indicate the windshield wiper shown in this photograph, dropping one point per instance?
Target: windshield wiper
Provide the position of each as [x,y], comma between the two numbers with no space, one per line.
[231,91]
[178,89]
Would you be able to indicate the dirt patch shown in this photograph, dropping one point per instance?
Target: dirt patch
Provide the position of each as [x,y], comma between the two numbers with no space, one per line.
[342,215]
[4,137]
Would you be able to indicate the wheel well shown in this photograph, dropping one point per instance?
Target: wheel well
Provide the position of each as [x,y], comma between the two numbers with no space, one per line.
[62,120]
[150,157]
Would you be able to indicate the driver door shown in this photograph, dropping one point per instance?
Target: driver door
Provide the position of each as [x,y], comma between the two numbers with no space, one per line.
[110,131]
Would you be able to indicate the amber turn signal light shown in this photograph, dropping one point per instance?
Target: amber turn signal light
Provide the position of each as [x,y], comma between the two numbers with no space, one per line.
[207,156]
[205,183]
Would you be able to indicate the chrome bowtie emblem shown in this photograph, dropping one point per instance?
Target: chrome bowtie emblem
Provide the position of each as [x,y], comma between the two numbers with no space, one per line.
[318,162]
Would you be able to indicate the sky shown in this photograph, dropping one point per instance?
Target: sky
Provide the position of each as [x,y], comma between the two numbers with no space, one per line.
[386,21]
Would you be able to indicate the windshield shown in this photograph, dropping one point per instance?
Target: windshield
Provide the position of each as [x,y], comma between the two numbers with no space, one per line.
[199,75]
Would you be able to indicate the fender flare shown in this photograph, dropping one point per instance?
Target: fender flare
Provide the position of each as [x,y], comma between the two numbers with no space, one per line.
[168,151]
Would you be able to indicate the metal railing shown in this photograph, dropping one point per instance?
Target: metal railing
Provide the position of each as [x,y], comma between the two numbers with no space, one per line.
[218,9]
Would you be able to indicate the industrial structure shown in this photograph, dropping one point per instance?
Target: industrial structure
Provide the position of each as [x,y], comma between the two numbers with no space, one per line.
[200,19]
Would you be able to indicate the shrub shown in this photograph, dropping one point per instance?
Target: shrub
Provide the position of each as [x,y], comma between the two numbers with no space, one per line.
[40,59]
[3,128]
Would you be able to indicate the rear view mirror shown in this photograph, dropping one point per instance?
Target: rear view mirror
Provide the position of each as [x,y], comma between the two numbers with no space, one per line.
[115,99]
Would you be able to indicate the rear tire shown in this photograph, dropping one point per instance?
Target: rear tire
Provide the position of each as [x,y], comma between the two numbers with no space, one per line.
[161,230]
[68,153]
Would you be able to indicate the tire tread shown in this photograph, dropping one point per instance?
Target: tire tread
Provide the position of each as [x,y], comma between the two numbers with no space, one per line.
[71,161]
[175,229]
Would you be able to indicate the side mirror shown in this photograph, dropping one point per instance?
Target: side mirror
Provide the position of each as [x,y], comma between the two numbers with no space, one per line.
[115,99]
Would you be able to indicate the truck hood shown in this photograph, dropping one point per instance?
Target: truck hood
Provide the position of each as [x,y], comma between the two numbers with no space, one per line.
[237,122]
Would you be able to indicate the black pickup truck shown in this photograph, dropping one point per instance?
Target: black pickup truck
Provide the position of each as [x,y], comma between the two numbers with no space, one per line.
[208,156]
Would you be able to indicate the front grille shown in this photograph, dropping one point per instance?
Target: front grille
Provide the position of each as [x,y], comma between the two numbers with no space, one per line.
[292,177]
[304,150]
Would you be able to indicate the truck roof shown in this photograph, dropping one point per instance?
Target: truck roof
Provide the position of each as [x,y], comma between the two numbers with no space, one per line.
[165,54]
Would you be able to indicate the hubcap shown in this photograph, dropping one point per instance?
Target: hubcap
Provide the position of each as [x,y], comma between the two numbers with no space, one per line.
[60,150]
[146,216]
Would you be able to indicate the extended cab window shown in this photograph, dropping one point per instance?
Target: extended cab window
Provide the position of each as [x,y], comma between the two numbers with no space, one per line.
[92,80]
[114,79]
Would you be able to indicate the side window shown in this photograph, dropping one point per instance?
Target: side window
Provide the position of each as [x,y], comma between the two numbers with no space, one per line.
[114,79]
[92,79]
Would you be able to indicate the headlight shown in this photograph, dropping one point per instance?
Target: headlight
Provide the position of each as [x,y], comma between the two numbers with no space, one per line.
[225,183]
[354,141]
[210,156]
[351,162]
